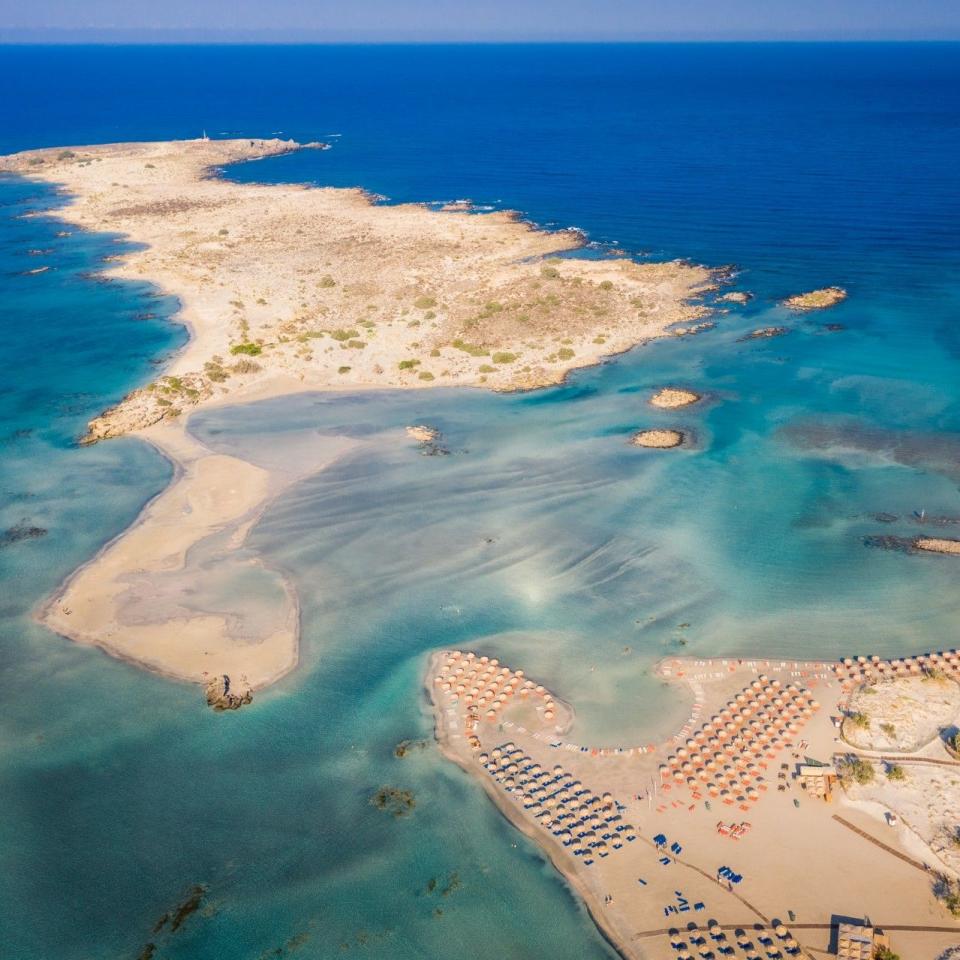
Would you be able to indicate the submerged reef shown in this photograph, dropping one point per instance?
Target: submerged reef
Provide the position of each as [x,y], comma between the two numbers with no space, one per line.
[19,532]
[393,800]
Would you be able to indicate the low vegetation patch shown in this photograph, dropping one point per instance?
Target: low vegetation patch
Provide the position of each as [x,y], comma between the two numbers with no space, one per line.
[475,350]
[248,349]
[245,366]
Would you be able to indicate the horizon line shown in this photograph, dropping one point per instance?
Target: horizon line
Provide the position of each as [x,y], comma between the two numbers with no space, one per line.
[291,36]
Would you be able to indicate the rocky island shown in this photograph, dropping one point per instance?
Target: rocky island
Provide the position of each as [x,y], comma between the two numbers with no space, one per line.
[816,299]
[669,398]
[657,439]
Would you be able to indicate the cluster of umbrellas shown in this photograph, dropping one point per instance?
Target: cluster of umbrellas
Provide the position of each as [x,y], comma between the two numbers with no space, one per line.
[852,670]
[590,824]
[726,755]
[755,944]
[485,689]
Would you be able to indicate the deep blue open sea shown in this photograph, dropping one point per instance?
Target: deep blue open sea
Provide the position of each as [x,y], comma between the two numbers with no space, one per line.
[543,538]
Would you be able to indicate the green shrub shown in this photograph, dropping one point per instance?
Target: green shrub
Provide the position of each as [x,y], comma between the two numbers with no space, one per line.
[66,155]
[606,285]
[889,729]
[503,357]
[565,353]
[327,281]
[896,772]
[860,720]
[354,344]
[222,232]
[424,303]
[344,369]
[549,273]
[854,768]
[408,364]
[434,352]
[426,375]
[250,349]
[344,334]
[486,368]
[472,348]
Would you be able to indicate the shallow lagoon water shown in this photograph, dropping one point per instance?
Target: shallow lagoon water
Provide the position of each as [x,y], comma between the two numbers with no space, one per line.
[121,790]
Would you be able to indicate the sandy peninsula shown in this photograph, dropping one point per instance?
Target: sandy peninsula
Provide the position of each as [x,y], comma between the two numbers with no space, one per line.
[286,288]
[748,832]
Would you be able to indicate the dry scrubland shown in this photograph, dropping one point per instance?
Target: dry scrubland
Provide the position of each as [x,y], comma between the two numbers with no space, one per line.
[901,715]
[290,287]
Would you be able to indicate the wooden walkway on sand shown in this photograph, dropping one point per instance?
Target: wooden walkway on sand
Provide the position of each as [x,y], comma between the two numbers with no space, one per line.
[879,843]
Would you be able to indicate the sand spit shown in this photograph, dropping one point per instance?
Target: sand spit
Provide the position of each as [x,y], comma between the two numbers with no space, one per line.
[816,299]
[669,398]
[696,844]
[938,545]
[141,598]
[657,439]
[288,288]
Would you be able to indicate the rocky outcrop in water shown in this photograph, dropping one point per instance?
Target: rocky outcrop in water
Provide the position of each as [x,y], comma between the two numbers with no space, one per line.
[816,299]
[221,695]
[657,439]
[765,333]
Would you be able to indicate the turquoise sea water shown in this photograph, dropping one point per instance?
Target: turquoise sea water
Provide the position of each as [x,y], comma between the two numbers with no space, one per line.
[541,538]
